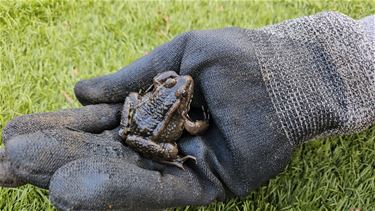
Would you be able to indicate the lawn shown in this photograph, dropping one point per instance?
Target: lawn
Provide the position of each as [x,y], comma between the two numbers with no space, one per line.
[47,46]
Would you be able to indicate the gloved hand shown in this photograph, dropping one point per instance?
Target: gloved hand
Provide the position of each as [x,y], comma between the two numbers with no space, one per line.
[267,91]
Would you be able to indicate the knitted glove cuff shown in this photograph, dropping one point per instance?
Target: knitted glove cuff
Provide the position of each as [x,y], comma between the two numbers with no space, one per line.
[319,72]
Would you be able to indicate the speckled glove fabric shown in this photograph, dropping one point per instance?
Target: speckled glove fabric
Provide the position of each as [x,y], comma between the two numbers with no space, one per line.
[267,91]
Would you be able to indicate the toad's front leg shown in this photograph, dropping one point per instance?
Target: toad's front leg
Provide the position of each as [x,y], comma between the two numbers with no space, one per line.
[131,102]
[195,127]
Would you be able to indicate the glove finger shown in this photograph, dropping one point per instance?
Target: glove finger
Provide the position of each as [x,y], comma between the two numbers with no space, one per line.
[93,118]
[113,88]
[34,157]
[7,178]
[99,183]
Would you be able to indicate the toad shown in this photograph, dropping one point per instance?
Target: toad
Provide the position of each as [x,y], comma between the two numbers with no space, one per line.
[152,123]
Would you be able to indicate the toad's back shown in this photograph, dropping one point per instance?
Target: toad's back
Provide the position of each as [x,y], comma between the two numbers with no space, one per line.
[153,111]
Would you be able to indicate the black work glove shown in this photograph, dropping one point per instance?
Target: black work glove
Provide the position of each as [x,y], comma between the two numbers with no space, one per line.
[267,91]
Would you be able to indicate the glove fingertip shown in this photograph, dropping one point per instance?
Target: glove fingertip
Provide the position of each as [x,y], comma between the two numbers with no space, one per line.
[87,92]
[110,88]
[7,178]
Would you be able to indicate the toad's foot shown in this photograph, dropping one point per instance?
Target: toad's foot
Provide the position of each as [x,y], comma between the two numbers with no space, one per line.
[178,162]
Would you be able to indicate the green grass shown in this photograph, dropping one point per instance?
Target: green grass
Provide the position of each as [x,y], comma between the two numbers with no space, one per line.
[46,47]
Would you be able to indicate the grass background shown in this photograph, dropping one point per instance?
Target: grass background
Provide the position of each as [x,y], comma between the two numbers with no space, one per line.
[47,46]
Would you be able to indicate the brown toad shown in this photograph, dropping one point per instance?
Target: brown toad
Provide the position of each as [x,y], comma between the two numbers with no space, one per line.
[151,124]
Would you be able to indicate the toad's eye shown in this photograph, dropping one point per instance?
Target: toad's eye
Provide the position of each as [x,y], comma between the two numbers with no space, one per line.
[170,82]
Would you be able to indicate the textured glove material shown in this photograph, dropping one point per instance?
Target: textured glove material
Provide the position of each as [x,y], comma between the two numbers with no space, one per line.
[319,72]
[368,25]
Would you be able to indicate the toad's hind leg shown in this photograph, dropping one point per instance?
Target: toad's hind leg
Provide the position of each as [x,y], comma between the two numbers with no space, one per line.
[163,151]
[130,105]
